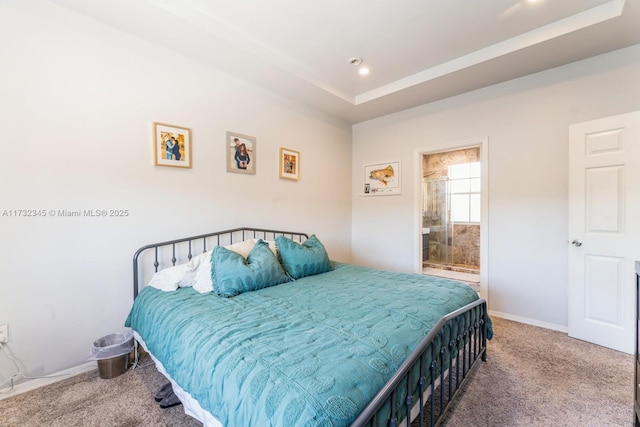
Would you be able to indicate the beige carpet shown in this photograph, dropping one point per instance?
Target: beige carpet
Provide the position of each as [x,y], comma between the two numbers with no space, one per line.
[534,377]
[88,400]
[538,377]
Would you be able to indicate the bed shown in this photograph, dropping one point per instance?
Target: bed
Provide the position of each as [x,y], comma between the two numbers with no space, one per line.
[328,344]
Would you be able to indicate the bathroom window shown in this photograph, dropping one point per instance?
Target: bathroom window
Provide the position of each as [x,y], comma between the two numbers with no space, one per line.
[464,192]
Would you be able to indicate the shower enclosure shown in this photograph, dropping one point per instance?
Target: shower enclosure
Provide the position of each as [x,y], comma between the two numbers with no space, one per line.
[451,212]
[435,222]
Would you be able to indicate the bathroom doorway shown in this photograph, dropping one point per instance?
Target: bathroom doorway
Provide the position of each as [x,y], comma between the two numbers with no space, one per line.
[452,214]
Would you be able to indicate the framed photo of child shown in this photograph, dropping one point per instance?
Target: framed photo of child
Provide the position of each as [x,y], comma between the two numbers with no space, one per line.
[241,153]
[289,164]
[172,146]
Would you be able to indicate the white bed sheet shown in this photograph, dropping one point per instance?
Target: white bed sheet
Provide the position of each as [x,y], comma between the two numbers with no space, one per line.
[191,406]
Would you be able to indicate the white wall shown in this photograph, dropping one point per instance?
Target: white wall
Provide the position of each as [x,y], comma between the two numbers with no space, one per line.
[527,123]
[77,104]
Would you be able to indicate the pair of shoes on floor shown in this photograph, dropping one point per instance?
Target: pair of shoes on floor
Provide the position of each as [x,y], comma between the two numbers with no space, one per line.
[166,397]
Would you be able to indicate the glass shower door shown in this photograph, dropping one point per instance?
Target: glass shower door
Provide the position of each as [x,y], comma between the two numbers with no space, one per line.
[435,220]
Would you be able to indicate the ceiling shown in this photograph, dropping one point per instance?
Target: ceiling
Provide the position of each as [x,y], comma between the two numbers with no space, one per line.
[418,51]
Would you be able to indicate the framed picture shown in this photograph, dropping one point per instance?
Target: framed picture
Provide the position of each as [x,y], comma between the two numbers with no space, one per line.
[172,146]
[382,179]
[241,153]
[289,164]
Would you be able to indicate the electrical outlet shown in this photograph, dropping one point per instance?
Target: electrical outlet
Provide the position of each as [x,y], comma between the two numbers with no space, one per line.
[4,333]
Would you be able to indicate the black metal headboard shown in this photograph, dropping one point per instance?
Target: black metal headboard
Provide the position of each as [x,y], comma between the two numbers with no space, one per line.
[151,258]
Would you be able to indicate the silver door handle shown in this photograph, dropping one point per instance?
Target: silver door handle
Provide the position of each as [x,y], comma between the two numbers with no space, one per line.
[576,243]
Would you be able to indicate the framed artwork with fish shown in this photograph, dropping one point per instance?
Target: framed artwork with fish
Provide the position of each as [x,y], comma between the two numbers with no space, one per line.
[382,179]
[241,153]
[172,146]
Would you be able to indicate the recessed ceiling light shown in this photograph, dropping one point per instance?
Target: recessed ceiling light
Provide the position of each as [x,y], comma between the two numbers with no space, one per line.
[363,71]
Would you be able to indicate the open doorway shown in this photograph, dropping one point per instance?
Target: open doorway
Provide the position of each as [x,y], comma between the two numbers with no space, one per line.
[451,214]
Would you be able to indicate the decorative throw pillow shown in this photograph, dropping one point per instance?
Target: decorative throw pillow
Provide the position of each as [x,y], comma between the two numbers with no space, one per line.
[201,265]
[233,275]
[301,260]
[272,246]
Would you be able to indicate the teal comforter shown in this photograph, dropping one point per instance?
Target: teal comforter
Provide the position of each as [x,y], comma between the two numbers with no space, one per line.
[312,352]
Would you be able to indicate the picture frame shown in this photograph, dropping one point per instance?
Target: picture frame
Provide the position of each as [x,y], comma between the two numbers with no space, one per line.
[382,179]
[289,164]
[172,145]
[241,153]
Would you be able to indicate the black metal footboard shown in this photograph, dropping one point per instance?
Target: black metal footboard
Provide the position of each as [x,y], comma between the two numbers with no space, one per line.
[426,384]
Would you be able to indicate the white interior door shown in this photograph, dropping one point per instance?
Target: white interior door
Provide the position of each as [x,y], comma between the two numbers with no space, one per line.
[604,229]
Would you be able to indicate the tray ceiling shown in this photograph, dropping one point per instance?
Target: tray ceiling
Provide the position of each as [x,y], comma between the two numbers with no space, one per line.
[418,51]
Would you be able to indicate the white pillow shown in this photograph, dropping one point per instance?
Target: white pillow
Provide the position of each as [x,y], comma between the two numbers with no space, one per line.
[200,269]
[169,279]
[242,248]
[200,266]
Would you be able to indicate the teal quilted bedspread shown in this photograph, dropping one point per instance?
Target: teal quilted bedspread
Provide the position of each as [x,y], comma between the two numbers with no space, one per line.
[311,352]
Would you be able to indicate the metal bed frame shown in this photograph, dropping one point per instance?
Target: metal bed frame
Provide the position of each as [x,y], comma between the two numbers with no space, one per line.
[426,384]
[183,249]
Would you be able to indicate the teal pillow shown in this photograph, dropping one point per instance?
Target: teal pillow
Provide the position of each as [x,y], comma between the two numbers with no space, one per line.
[301,260]
[233,275]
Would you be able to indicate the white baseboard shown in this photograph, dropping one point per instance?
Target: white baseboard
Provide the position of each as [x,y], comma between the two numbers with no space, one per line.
[533,322]
[31,384]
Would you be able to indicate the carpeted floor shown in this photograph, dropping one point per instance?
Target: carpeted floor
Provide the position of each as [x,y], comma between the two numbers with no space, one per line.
[87,400]
[539,377]
[533,377]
